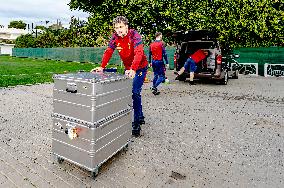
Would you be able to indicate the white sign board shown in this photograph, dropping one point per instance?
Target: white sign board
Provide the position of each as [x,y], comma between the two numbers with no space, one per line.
[246,68]
[273,70]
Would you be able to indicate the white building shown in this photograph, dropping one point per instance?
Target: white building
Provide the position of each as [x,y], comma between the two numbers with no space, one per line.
[6,49]
[11,33]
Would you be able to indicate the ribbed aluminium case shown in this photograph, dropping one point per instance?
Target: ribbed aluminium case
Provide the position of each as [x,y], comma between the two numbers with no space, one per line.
[95,143]
[91,97]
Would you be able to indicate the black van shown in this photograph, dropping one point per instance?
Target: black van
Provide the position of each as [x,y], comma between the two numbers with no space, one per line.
[190,41]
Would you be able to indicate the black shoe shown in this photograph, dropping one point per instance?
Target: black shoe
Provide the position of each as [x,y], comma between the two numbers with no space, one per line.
[155,91]
[136,133]
[142,121]
[192,83]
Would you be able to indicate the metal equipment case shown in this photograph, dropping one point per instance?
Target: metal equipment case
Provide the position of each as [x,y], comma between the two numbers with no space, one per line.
[89,97]
[92,117]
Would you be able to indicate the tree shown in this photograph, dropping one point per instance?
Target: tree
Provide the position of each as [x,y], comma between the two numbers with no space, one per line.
[46,40]
[41,27]
[25,41]
[240,23]
[77,35]
[17,24]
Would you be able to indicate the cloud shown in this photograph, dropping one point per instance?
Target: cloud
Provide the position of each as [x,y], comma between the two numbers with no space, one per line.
[31,11]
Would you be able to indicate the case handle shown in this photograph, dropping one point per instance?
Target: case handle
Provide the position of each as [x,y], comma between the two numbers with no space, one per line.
[71,87]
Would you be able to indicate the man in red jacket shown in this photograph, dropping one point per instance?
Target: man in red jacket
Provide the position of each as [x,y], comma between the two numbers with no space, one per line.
[157,53]
[128,42]
[190,64]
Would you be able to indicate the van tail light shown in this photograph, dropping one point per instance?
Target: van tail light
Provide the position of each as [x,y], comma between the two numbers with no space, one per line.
[219,60]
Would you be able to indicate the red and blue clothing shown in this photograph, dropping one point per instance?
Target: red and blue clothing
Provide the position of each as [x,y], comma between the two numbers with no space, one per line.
[157,52]
[131,51]
[190,64]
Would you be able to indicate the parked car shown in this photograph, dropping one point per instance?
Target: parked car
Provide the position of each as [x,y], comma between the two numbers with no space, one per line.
[190,41]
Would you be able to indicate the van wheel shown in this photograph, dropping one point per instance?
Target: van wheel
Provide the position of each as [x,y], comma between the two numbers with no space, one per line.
[95,172]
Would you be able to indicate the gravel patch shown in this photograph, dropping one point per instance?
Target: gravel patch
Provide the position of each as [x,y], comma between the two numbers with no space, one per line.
[204,135]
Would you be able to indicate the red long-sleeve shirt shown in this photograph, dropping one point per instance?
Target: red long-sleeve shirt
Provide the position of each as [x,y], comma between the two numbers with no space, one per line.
[198,56]
[130,49]
[157,51]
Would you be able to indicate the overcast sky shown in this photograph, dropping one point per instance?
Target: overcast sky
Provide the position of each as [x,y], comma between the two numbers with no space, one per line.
[37,11]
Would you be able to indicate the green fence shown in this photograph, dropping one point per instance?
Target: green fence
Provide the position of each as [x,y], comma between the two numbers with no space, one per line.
[67,54]
[87,54]
[272,55]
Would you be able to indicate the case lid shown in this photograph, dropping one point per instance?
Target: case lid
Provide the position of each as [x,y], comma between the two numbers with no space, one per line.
[91,77]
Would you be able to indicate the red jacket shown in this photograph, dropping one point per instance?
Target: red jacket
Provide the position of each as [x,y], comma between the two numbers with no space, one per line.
[157,51]
[130,49]
[198,56]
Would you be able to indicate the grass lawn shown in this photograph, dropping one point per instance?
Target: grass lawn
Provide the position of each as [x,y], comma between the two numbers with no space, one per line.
[22,71]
